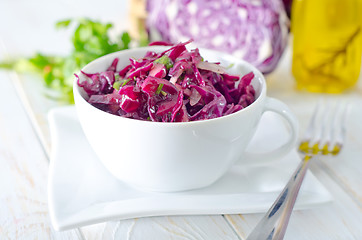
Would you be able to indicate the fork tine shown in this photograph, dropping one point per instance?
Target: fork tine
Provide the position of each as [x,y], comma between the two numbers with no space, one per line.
[315,130]
[308,134]
[312,123]
[322,137]
[339,128]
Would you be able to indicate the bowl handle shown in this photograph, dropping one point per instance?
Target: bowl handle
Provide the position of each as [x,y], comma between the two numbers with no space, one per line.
[274,105]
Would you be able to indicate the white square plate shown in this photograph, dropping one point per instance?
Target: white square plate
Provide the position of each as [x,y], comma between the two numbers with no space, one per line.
[81,191]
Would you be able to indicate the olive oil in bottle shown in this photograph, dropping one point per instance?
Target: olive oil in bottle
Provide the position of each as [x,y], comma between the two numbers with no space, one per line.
[327,44]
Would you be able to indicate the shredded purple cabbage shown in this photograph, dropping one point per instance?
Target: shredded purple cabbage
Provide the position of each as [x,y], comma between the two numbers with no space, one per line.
[176,85]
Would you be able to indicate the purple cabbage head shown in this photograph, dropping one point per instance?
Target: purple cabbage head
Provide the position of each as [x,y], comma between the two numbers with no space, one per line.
[255,31]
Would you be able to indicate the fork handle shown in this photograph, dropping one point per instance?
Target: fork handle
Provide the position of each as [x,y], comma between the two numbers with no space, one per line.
[274,224]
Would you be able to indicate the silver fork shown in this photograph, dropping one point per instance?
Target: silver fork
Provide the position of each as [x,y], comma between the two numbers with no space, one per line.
[325,135]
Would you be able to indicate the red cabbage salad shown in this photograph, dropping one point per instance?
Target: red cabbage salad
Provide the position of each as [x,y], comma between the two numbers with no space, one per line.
[176,85]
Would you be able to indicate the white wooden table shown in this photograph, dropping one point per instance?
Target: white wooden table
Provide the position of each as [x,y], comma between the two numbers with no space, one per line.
[27,26]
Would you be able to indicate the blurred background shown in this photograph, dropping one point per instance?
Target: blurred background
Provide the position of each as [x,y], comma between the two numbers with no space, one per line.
[324,36]
[24,31]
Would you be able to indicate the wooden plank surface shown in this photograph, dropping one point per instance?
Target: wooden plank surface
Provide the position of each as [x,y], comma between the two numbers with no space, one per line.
[179,227]
[23,174]
[340,219]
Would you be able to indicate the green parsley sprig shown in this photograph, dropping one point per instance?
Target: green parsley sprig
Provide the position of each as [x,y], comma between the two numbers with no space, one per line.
[90,40]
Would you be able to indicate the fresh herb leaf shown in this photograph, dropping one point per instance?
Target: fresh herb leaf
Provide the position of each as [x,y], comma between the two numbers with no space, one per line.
[126,40]
[159,88]
[63,23]
[164,93]
[117,85]
[125,81]
[230,65]
[165,60]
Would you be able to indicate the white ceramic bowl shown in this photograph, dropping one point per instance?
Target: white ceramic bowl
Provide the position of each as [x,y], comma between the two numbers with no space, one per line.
[176,156]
